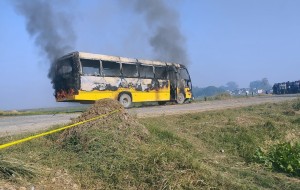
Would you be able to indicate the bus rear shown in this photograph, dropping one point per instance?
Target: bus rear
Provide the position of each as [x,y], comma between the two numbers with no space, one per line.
[67,80]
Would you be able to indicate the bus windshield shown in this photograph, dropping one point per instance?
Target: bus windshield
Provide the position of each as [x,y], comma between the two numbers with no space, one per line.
[184,74]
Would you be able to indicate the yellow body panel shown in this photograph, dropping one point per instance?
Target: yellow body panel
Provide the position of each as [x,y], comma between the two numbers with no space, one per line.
[163,94]
[188,93]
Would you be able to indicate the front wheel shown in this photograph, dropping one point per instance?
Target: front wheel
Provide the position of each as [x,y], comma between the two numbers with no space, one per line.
[180,98]
[125,100]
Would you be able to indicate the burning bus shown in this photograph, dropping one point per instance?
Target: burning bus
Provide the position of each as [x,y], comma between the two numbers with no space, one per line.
[85,78]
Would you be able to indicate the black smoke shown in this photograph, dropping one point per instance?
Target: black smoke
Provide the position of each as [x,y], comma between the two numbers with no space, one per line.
[166,39]
[51,28]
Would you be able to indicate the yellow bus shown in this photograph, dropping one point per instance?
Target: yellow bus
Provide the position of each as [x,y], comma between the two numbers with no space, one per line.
[85,78]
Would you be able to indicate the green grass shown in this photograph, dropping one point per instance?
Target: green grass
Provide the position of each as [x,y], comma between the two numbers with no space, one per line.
[209,150]
[43,111]
[13,169]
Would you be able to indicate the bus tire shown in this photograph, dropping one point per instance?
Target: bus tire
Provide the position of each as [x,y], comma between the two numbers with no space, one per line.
[180,98]
[161,103]
[125,100]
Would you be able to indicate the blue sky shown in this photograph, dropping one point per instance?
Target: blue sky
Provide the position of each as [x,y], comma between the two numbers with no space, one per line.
[228,40]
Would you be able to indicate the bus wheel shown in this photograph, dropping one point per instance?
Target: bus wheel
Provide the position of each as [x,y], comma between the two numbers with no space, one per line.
[161,103]
[180,98]
[125,100]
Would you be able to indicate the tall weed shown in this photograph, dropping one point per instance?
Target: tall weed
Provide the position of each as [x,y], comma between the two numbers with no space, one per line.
[283,157]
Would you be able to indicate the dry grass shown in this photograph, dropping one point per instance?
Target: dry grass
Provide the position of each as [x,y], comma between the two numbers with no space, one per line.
[210,150]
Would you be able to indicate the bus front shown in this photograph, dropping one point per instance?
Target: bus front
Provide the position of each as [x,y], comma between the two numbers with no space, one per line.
[66,81]
[184,91]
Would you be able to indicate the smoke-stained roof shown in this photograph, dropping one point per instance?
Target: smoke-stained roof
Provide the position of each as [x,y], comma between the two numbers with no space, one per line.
[85,55]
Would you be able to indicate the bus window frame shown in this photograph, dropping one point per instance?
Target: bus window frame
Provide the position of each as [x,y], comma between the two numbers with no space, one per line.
[139,66]
[137,69]
[166,72]
[81,67]
[102,70]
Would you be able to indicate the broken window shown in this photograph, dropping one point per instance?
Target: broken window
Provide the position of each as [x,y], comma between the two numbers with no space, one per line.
[64,66]
[146,71]
[129,70]
[111,68]
[184,74]
[90,67]
[160,73]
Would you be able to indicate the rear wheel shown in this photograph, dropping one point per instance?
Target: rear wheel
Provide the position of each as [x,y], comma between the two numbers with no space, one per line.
[180,98]
[125,100]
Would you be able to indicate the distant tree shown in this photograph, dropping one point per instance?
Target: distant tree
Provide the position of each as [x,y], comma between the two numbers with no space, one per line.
[223,87]
[232,86]
[207,91]
[260,84]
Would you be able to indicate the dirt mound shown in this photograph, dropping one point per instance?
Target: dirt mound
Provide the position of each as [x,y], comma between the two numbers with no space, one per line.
[101,107]
[118,123]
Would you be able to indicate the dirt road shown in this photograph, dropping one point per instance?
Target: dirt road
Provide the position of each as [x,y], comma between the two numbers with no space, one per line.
[21,124]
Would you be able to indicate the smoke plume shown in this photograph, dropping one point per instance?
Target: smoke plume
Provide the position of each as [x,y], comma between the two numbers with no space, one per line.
[166,40]
[51,29]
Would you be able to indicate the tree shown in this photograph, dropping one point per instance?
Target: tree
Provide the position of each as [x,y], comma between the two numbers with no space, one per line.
[232,86]
[207,91]
[260,84]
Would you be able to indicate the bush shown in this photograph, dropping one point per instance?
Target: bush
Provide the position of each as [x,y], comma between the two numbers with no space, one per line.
[283,157]
[296,105]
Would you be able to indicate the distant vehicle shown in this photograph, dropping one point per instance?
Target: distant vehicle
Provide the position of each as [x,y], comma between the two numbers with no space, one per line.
[287,87]
[85,78]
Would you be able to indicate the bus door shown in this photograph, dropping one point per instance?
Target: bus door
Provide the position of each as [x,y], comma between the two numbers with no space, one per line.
[173,82]
[184,83]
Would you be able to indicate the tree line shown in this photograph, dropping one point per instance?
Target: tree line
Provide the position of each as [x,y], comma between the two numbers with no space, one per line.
[231,86]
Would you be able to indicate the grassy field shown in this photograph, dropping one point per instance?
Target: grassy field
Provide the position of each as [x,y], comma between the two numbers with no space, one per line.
[246,148]
[43,111]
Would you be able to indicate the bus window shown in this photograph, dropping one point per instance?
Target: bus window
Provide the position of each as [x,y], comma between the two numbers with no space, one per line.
[184,74]
[64,67]
[90,67]
[111,68]
[160,73]
[129,70]
[146,71]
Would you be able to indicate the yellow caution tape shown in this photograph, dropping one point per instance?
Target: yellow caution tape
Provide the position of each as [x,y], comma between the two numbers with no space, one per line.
[53,131]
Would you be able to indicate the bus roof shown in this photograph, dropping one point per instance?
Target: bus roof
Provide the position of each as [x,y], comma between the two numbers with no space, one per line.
[85,55]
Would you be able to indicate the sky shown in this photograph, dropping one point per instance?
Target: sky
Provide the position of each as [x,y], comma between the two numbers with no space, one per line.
[230,40]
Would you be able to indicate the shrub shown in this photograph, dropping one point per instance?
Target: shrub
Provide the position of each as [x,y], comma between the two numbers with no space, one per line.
[283,157]
[296,105]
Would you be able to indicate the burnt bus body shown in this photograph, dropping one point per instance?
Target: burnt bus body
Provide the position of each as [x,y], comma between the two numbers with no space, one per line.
[83,77]
[287,87]
[67,76]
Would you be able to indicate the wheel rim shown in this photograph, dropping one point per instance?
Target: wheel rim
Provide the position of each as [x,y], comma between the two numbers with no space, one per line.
[180,98]
[125,100]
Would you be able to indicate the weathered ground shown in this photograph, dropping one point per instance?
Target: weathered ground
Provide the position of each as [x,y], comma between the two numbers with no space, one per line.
[20,124]
[205,150]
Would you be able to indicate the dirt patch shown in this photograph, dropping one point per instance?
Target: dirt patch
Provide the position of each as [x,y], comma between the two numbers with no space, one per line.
[119,122]
[59,179]
[99,108]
